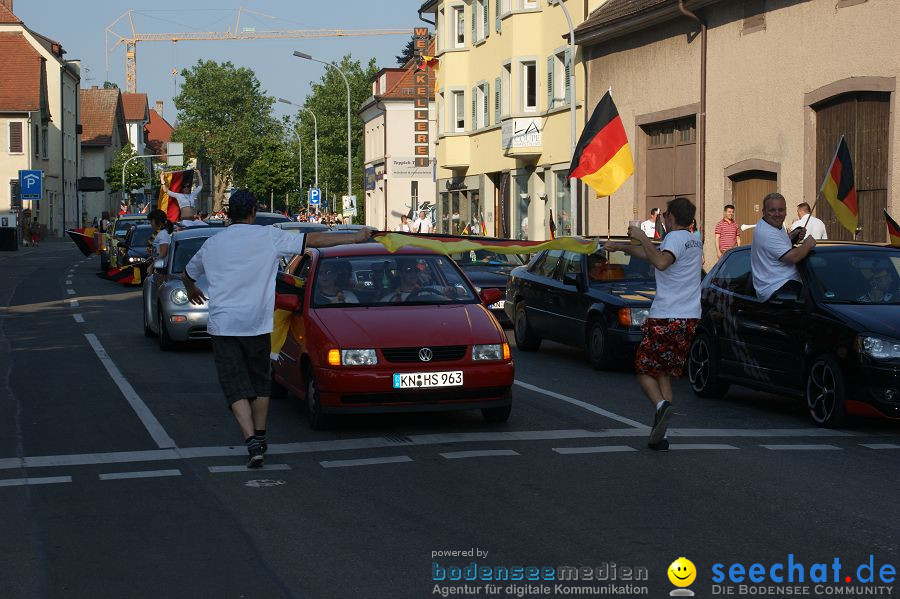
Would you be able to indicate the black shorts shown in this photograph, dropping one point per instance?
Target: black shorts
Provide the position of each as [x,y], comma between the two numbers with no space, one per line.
[244,366]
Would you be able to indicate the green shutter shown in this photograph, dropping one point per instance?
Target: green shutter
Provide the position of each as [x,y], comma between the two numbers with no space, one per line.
[487,104]
[485,10]
[497,9]
[496,100]
[568,75]
[474,23]
[550,61]
[474,108]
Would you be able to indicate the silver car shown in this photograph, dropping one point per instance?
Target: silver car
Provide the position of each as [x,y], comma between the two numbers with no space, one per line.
[168,314]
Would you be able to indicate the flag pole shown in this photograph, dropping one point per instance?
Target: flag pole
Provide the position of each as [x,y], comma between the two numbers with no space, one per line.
[608,217]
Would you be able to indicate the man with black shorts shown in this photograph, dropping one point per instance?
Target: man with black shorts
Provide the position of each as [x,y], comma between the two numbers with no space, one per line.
[674,313]
[240,264]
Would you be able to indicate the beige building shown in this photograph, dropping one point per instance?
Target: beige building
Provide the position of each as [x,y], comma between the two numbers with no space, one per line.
[103,135]
[779,83]
[503,115]
[52,136]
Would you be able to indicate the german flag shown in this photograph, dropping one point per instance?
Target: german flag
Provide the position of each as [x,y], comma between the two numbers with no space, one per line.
[433,63]
[839,188]
[602,157]
[133,274]
[84,239]
[285,284]
[179,182]
[893,231]
[454,244]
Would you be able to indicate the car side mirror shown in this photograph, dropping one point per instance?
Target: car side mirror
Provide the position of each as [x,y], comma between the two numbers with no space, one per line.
[786,296]
[159,265]
[287,301]
[571,278]
[490,296]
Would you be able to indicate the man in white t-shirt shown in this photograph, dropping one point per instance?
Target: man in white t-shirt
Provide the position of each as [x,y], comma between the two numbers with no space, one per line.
[187,202]
[814,226]
[773,257]
[422,224]
[649,225]
[240,264]
[404,227]
[674,313]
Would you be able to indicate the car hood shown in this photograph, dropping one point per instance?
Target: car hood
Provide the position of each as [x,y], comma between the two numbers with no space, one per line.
[882,319]
[409,326]
[488,275]
[632,292]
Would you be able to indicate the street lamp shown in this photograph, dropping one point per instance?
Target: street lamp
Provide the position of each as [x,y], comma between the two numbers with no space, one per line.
[315,137]
[346,83]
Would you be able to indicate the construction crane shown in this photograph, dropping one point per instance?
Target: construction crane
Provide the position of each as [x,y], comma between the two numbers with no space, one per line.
[237,33]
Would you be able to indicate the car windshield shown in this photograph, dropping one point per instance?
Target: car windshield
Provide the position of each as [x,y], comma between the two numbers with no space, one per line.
[604,266]
[184,251]
[857,276]
[389,280]
[122,227]
[141,236]
[486,257]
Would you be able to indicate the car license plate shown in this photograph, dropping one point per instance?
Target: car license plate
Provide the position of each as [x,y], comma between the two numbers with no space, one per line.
[497,305]
[418,380]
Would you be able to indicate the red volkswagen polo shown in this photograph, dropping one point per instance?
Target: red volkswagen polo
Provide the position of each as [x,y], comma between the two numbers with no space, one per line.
[382,332]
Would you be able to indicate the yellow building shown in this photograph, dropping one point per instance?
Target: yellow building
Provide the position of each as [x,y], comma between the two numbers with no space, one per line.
[503,115]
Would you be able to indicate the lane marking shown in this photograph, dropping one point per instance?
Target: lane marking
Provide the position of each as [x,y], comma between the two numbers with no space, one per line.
[17,482]
[881,445]
[68,281]
[220,469]
[801,447]
[365,461]
[483,453]
[73,303]
[597,449]
[700,446]
[156,430]
[141,474]
[70,291]
[78,317]
[583,405]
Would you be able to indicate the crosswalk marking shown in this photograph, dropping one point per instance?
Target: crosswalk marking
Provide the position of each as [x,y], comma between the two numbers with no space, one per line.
[483,453]
[140,474]
[365,461]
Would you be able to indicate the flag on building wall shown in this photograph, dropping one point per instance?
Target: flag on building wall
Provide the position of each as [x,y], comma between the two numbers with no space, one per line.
[893,231]
[433,63]
[602,157]
[179,182]
[839,188]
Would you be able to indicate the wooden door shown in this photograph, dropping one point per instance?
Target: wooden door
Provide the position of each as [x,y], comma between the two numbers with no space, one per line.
[748,190]
[671,161]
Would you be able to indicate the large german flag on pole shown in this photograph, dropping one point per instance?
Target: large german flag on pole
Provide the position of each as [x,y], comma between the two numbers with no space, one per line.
[178,182]
[839,188]
[893,230]
[602,157]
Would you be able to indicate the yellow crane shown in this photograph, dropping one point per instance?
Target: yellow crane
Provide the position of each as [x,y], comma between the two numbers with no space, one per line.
[237,33]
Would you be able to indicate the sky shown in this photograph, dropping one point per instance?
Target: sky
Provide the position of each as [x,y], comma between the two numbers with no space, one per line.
[80,26]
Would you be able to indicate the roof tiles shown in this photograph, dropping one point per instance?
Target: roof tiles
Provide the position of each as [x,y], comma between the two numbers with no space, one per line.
[20,65]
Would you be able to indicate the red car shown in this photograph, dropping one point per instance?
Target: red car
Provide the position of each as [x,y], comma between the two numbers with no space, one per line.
[401,332]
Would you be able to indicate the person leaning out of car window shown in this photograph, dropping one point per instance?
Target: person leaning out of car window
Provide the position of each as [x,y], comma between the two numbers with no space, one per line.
[161,238]
[773,257]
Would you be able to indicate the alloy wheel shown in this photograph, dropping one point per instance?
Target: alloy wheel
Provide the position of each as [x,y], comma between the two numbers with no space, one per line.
[820,391]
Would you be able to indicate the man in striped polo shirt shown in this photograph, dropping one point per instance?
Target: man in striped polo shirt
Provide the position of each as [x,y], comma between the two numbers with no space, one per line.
[728,232]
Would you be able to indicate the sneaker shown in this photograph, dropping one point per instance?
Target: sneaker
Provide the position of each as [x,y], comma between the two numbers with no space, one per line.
[661,446]
[257,459]
[263,444]
[660,423]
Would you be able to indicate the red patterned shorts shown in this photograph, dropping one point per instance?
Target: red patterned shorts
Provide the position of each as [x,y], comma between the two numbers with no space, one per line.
[664,348]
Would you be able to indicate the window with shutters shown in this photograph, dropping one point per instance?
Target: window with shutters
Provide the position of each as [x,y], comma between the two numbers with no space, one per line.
[562,65]
[36,140]
[15,137]
[526,4]
[497,97]
[459,27]
[45,143]
[505,88]
[480,27]
[529,86]
[459,110]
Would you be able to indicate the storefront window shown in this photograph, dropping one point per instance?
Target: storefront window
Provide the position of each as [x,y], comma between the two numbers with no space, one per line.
[561,214]
[523,201]
[444,216]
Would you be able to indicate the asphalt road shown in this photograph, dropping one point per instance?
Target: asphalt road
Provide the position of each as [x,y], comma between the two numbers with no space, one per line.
[122,474]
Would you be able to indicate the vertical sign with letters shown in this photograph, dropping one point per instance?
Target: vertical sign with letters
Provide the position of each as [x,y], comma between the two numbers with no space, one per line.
[420,82]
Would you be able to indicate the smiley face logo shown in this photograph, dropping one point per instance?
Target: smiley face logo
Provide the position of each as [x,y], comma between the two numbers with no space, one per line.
[682,572]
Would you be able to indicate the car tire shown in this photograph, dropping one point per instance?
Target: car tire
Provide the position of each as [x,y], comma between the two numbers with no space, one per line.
[599,353]
[496,415]
[148,332]
[526,339]
[317,420]
[825,392]
[703,368]
[104,263]
[165,342]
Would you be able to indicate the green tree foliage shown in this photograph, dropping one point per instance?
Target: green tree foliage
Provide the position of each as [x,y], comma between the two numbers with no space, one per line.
[409,51]
[110,85]
[273,173]
[223,118]
[135,174]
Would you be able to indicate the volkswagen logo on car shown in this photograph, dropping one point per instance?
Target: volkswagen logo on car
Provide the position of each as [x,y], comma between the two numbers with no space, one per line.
[425,354]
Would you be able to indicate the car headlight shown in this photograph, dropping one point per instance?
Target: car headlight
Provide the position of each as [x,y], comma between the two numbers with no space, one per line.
[358,357]
[633,317]
[877,347]
[179,297]
[134,259]
[493,351]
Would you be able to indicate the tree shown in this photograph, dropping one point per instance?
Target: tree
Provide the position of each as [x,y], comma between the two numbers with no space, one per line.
[135,174]
[409,52]
[110,85]
[273,173]
[223,118]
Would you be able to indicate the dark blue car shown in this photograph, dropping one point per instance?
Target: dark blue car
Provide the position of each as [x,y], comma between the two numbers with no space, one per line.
[488,270]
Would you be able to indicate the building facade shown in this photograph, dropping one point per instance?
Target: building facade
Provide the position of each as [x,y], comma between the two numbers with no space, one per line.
[504,115]
[779,83]
[137,117]
[103,136]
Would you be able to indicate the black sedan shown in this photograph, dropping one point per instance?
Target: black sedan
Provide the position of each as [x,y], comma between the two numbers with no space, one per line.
[836,343]
[555,297]
[134,247]
[488,270]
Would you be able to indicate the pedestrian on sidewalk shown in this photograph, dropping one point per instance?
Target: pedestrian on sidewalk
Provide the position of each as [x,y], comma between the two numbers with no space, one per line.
[240,264]
[674,313]
[728,232]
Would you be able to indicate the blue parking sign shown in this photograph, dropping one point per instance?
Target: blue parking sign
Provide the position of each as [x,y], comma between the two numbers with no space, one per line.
[31,185]
[315,196]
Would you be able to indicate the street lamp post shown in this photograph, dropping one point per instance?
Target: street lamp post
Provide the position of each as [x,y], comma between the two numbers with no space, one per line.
[135,158]
[574,102]
[347,84]
[315,138]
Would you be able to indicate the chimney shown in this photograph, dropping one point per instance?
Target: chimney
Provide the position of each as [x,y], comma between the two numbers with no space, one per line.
[159,104]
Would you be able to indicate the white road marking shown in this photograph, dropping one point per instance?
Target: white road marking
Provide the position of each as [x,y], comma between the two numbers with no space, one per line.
[17,482]
[365,461]
[142,474]
[68,281]
[881,445]
[596,449]
[73,303]
[801,447]
[162,439]
[78,317]
[484,453]
[220,469]
[700,446]
[584,405]
[70,291]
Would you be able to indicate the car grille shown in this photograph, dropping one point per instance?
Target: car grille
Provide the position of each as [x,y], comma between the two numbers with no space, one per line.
[443,353]
[421,395]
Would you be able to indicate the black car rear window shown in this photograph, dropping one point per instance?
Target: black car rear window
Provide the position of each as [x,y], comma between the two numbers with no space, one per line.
[857,276]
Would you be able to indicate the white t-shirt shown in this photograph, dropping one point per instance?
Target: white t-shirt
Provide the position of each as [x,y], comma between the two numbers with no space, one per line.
[404,228]
[678,287]
[649,228]
[193,223]
[187,200]
[815,227]
[769,272]
[422,226]
[162,238]
[240,264]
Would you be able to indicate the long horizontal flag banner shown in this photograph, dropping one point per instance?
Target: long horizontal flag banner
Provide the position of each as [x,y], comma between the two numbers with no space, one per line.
[839,188]
[86,239]
[178,182]
[452,244]
[893,230]
[602,158]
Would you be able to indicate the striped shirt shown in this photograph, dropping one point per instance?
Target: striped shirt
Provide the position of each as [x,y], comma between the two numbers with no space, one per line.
[728,232]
